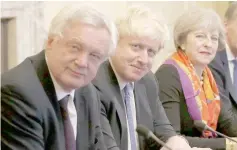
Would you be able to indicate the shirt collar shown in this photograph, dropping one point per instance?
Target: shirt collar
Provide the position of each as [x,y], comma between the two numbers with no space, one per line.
[229,54]
[121,82]
[60,92]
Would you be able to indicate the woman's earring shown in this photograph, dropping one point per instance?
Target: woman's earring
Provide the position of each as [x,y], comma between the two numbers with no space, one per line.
[182,47]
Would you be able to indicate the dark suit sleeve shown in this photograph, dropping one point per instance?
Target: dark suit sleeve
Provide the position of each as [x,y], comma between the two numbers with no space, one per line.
[170,94]
[163,128]
[227,123]
[21,128]
[162,125]
[106,128]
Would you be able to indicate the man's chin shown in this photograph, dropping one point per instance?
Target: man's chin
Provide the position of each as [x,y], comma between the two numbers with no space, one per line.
[76,84]
[134,78]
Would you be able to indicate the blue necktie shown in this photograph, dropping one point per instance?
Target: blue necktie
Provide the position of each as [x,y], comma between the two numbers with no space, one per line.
[128,97]
[235,74]
[68,129]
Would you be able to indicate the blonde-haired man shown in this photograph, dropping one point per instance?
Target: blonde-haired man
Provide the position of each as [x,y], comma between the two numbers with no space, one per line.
[129,90]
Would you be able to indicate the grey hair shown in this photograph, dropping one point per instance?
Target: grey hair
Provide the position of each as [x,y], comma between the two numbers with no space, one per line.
[231,12]
[141,21]
[195,19]
[85,14]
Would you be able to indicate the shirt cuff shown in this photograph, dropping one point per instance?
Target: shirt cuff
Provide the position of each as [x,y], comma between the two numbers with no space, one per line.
[177,142]
[230,145]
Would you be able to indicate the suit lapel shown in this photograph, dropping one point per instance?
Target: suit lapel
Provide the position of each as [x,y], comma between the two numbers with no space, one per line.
[141,99]
[229,84]
[39,63]
[46,81]
[88,127]
[143,112]
[118,100]
[81,104]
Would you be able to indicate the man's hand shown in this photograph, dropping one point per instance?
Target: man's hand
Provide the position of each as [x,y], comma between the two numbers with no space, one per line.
[180,143]
[230,145]
[196,148]
[177,143]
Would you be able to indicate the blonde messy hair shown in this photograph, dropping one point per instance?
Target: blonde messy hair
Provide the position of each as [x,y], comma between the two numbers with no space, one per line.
[140,21]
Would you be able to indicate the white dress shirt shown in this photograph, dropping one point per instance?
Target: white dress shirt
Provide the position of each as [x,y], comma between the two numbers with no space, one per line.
[122,84]
[230,58]
[61,93]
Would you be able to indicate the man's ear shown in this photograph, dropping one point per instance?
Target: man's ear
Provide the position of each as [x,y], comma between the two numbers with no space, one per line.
[50,41]
[225,24]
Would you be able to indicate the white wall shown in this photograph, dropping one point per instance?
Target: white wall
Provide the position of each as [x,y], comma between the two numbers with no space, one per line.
[25,29]
[12,43]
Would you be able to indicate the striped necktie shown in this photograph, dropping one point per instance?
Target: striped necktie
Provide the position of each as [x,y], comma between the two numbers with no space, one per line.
[128,97]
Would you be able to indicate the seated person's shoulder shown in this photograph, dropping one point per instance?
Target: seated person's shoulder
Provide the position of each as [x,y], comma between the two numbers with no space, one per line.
[149,79]
[22,84]
[167,69]
[89,88]
[217,62]
[151,85]
[14,79]
[169,79]
[19,75]
[166,73]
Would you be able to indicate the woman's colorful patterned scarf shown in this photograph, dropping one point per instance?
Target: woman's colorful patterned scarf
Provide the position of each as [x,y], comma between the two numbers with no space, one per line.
[203,101]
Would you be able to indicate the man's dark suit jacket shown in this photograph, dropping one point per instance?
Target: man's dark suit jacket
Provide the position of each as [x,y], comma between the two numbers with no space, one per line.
[220,70]
[149,111]
[173,100]
[31,117]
